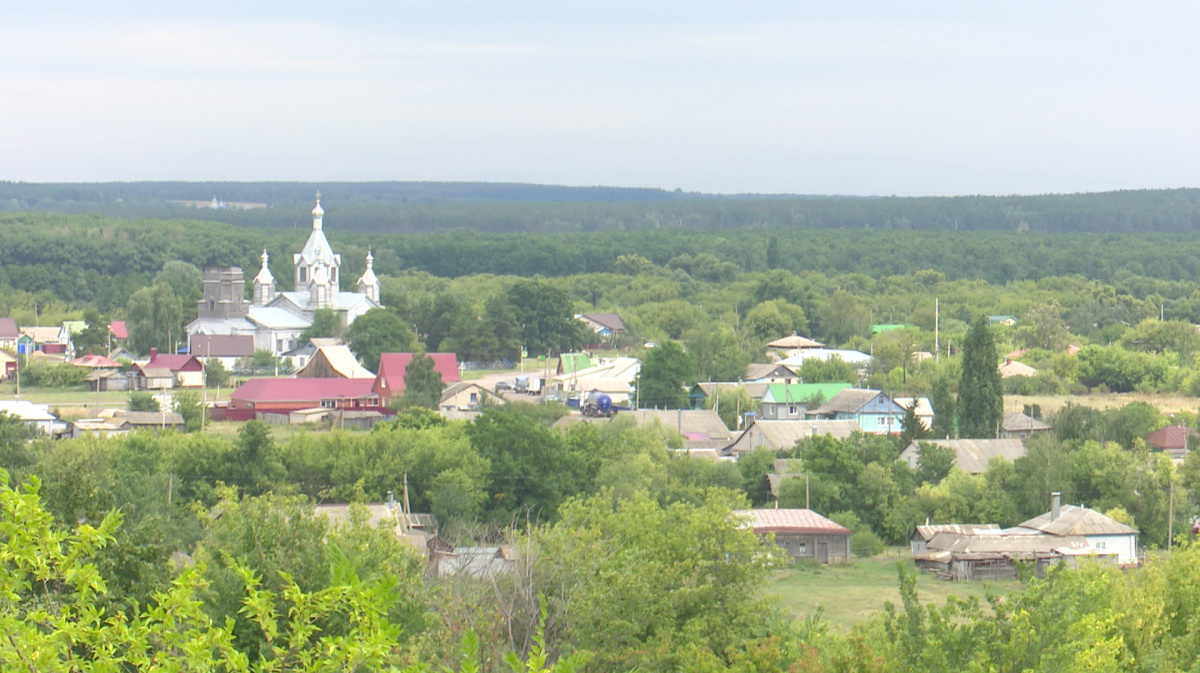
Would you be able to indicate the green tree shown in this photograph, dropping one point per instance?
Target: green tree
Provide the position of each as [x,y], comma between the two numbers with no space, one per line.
[422,384]
[934,462]
[215,374]
[980,394]
[94,337]
[944,409]
[155,319]
[142,402]
[189,405]
[530,469]
[773,253]
[326,324]
[548,324]
[667,372]
[776,318]
[376,332]
[911,427]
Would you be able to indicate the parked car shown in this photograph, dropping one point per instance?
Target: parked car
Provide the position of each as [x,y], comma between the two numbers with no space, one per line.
[504,385]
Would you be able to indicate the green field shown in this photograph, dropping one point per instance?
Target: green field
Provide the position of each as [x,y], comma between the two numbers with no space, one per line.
[851,593]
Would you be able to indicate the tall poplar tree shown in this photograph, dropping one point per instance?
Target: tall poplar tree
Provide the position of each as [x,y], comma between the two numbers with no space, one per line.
[980,394]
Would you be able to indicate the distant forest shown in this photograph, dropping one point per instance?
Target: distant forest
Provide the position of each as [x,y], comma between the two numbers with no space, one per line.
[433,207]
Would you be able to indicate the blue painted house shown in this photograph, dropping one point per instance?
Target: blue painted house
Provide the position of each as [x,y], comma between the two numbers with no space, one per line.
[874,411]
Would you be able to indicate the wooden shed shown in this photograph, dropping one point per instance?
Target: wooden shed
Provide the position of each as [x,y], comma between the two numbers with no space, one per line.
[802,533]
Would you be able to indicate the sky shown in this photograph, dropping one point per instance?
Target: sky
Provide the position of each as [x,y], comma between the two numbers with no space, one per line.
[864,98]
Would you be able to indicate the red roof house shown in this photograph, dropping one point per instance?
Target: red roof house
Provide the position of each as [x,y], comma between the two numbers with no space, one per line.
[288,395]
[1173,439]
[165,370]
[802,533]
[392,367]
[118,329]
[96,362]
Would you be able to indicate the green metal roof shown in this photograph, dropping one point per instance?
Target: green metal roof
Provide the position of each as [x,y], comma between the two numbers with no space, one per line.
[570,363]
[799,392]
[875,329]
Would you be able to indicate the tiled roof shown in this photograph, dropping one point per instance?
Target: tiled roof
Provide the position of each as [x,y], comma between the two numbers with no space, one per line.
[302,390]
[790,521]
[1170,437]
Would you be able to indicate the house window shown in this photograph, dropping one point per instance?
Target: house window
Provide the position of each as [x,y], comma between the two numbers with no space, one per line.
[792,410]
[474,398]
[329,404]
[372,401]
[1100,545]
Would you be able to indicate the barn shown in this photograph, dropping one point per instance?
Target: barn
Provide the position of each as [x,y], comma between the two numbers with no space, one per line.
[802,533]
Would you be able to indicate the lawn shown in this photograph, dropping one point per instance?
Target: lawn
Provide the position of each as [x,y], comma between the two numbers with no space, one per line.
[82,403]
[853,592]
[1166,403]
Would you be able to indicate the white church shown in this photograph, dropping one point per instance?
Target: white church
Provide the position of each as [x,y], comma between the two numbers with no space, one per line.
[276,319]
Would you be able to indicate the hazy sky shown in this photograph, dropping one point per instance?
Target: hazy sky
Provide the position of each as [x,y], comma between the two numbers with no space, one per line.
[858,98]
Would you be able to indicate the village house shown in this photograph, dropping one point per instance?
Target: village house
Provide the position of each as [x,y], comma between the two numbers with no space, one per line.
[791,346]
[783,435]
[37,416]
[1101,532]
[919,540]
[9,334]
[283,396]
[389,383]
[801,533]
[994,555]
[786,401]
[231,350]
[1017,425]
[924,409]
[606,326]
[873,410]
[970,455]
[1010,368]
[1172,440]
[467,396]
[164,371]
[334,362]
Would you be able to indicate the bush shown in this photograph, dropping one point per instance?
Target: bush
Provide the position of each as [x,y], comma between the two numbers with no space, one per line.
[865,544]
[142,402]
[41,374]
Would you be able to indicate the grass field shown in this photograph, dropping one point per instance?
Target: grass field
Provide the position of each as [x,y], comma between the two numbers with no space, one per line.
[1167,404]
[848,594]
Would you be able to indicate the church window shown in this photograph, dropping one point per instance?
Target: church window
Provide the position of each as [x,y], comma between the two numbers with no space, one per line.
[333,275]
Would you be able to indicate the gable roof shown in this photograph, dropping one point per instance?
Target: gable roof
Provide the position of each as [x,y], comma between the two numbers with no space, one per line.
[1015,421]
[222,345]
[393,366]
[783,393]
[756,371]
[927,531]
[118,329]
[847,356]
[851,400]
[341,360]
[302,390]
[1011,368]
[790,521]
[970,455]
[781,435]
[795,341]
[1074,520]
[687,422]
[42,335]
[8,329]
[171,362]
[609,321]
[96,361]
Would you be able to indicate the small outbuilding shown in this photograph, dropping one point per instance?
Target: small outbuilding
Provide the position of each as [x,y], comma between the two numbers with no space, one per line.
[802,533]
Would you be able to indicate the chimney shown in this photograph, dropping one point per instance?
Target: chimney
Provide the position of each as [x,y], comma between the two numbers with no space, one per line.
[153,352]
[1055,504]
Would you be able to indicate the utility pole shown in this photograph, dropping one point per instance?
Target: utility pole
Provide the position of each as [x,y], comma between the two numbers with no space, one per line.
[1171,516]
[937,316]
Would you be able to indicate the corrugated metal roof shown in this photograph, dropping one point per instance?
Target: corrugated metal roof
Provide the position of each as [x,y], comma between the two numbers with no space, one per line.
[928,531]
[1015,421]
[848,401]
[795,341]
[302,390]
[790,521]
[1073,520]
[1170,437]
[971,455]
[958,543]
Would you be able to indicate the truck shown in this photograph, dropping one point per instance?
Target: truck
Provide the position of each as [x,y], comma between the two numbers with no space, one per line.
[530,385]
[597,405]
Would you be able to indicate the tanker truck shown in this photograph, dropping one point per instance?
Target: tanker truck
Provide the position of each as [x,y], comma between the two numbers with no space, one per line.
[598,405]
